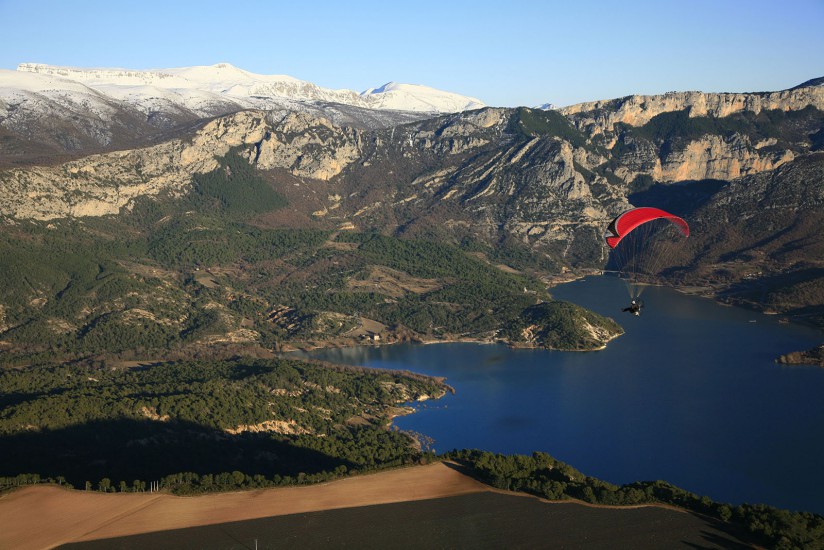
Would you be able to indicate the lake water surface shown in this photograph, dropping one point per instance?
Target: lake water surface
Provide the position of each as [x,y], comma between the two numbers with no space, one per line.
[690,394]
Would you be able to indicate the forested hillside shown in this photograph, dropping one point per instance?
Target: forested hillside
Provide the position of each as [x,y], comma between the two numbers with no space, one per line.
[203,425]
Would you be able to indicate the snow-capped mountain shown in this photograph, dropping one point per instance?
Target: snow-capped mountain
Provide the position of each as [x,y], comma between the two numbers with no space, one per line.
[414,97]
[201,89]
[43,115]
[47,110]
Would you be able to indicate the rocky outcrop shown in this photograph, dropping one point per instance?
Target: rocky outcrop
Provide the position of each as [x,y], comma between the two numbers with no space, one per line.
[104,184]
[711,157]
[814,356]
[151,414]
[540,191]
[286,427]
[716,157]
[307,146]
[599,116]
[546,196]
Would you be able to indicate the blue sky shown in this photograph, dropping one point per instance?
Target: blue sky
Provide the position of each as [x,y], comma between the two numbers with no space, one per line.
[505,53]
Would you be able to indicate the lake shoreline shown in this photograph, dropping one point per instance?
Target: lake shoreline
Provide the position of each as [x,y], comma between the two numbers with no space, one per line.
[583,407]
[716,293]
[338,344]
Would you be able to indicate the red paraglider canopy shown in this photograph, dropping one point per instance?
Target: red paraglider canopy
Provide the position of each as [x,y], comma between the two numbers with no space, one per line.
[626,222]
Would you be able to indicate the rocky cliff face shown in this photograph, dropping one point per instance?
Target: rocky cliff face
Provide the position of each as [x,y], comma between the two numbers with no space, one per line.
[710,157]
[470,176]
[601,116]
[307,146]
[757,240]
[103,184]
[530,190]
[692,136]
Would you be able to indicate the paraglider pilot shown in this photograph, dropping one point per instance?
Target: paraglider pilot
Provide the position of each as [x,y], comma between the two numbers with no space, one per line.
[634,307]
[625,226]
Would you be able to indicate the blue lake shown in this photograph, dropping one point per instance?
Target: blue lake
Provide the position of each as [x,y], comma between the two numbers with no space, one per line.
[689,394]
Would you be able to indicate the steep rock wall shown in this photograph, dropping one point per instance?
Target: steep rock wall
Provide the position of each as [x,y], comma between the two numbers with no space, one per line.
[103,184]
[599,116]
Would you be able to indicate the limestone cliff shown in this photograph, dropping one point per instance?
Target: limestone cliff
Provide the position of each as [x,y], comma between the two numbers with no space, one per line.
[599,116]
[103,184]
[694,136]
[307,146]
[709,157]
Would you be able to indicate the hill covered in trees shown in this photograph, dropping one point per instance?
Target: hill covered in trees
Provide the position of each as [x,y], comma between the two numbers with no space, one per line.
[208,425]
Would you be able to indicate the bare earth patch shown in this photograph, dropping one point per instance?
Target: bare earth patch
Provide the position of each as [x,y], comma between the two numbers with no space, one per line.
[48,516]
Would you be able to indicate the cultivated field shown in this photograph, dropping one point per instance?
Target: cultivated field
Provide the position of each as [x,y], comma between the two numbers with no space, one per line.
[425,506]
[477,520]
[45,516]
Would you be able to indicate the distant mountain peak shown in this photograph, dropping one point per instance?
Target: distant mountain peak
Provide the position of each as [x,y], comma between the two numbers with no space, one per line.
[380,89]
[417,97]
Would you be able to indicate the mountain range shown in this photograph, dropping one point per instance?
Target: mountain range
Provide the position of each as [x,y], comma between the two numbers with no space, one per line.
[72,110]
[181,158]
[203,89]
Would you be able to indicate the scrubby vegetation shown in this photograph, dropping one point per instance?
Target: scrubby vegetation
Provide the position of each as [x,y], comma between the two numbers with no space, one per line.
[813,356]
[474,297]
[536,122]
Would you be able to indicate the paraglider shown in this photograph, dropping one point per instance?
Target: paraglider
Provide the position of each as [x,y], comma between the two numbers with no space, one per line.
[642,242]
[634,307]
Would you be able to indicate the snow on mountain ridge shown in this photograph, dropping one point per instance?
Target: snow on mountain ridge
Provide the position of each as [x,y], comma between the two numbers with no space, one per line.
[26,82]
[229,83]
[47,111]
[416,97]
